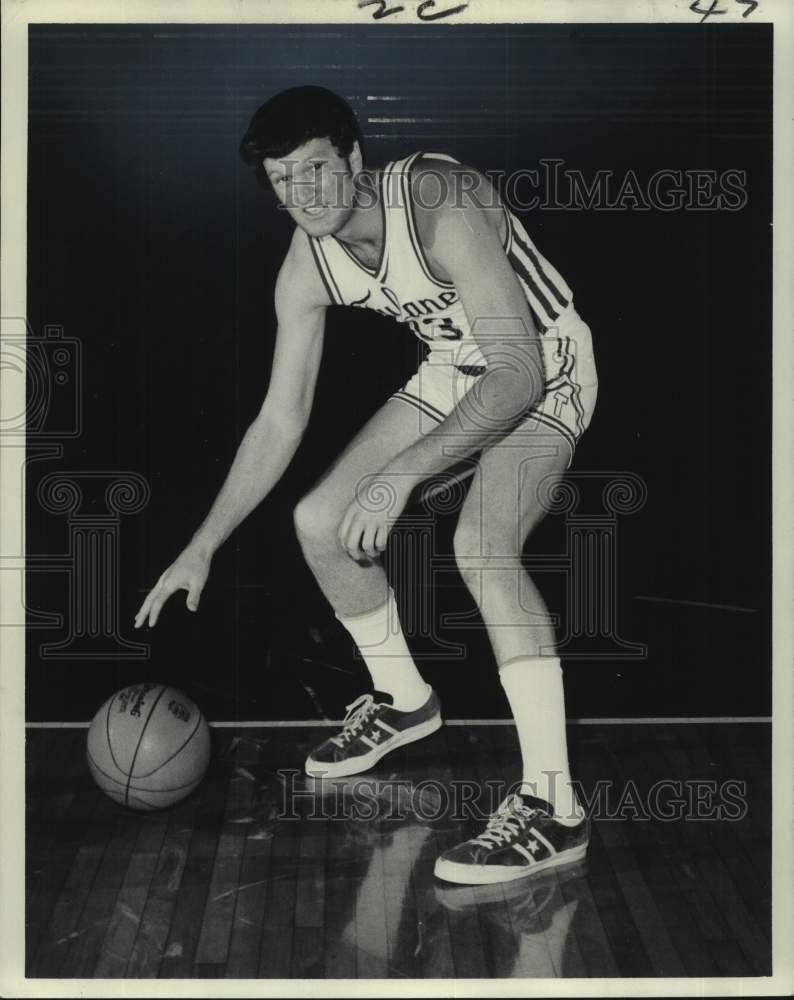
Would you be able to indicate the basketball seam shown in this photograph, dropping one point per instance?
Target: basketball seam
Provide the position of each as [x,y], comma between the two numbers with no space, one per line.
[148,806]
[138,745]
[177,751]
[163,791]
[140,788]
[105,773]
[107,732]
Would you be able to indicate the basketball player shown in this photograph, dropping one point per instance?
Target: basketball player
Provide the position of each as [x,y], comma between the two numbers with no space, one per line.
[509,378]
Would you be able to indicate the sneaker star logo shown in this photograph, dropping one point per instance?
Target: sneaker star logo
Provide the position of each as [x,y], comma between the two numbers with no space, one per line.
[375,735]
[534,846]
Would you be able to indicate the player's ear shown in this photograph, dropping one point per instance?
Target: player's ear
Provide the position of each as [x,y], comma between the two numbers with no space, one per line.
[356,159]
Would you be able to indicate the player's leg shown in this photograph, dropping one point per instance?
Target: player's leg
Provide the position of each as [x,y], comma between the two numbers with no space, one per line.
[403,707]
[352,587]
[543,826]
[508,498]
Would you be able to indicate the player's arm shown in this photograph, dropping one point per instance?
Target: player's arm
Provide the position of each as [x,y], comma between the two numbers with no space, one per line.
[461,236]
[462,241]
[272,438]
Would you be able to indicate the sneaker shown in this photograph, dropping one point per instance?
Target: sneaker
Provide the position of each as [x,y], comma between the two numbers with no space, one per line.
[371,729]
[521,838]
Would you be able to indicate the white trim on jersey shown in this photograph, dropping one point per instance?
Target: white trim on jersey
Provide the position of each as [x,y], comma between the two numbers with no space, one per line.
[377,273]
[408,206]
[319,245]
[326,273]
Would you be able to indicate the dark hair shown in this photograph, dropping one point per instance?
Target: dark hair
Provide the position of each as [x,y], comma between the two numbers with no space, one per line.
[293,117]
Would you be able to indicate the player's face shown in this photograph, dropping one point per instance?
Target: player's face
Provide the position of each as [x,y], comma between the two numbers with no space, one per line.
[315,184]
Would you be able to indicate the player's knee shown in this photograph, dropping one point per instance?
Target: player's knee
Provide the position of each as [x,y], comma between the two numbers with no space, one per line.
[313,524]
[468,547]
[466,542]
[479,549]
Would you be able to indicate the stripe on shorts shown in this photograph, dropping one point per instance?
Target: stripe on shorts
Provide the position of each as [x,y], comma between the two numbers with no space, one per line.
[563,378]
[419,404]
[555,424]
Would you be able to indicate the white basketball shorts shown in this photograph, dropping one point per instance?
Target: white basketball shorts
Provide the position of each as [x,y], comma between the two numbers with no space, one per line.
[570,388]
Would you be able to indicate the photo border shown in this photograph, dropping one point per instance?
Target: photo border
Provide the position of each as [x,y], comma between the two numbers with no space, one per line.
[16,16]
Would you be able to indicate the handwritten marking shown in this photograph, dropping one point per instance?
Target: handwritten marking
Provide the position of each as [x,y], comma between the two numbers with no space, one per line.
[383,9]
[425,9]
[697,9]
[715,11]
[430,4]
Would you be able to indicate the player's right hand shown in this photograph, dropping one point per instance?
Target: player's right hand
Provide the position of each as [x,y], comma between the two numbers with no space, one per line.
[189,572]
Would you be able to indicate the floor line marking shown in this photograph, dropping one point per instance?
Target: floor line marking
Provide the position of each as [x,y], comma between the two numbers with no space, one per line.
[315,723]
[694,604]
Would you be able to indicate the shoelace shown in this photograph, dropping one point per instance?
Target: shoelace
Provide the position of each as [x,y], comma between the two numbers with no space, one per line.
[358,713]
[506,822]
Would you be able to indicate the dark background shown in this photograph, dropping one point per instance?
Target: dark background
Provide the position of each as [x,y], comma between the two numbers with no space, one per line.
[151,244]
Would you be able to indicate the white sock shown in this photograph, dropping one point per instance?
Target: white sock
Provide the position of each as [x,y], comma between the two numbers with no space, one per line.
[381,642]
[534,689]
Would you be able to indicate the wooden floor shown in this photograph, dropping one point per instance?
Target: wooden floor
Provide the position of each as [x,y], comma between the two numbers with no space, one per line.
[226,884]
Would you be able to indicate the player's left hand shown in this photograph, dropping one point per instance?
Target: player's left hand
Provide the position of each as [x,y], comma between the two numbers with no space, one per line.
[365,527]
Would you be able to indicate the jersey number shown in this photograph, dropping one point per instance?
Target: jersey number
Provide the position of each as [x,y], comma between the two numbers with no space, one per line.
[436,329]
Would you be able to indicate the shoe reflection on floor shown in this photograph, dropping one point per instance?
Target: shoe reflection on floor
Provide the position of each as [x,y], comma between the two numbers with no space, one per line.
[400,921]
[528,921]
[380,842]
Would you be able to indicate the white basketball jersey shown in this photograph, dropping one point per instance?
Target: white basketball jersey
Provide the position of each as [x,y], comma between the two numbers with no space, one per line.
[402,285]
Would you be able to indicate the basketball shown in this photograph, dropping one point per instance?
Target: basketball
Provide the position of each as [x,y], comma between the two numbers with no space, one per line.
[148,746]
